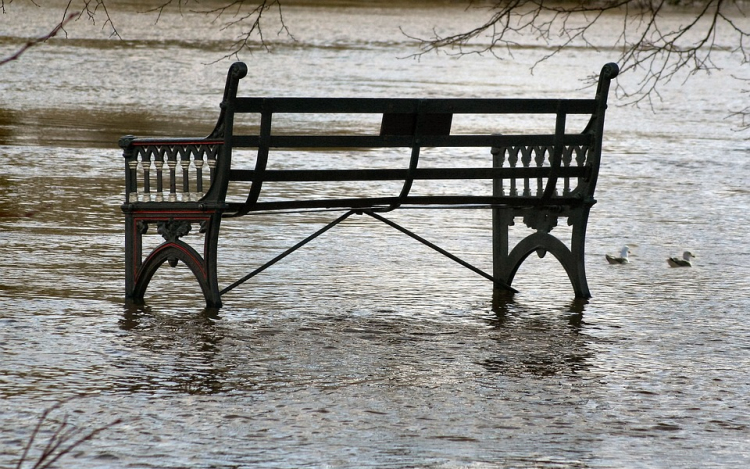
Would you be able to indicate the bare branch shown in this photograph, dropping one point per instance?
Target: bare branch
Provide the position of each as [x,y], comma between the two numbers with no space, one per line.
[91,8]
[49,458]
[253,18]
[166,4]
[743,114]
[246,14]
[34,433]
[649,48]
[39,40]
[64,439]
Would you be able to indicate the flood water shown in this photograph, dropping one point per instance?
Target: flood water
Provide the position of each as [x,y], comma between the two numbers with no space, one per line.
[364,349]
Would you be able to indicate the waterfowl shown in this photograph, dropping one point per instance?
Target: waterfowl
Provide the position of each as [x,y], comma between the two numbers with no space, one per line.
[623,259]
[684,262]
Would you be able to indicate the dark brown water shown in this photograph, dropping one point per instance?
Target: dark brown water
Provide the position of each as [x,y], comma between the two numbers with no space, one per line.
[365,349]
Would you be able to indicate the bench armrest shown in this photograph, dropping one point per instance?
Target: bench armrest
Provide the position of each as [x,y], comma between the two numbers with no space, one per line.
[175,166]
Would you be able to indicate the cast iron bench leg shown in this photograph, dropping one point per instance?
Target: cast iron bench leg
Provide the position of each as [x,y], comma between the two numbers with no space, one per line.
[506,263]
[577,271]
[172,226]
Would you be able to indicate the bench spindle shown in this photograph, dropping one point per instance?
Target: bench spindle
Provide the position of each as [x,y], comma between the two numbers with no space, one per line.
[513,161]
[198,162]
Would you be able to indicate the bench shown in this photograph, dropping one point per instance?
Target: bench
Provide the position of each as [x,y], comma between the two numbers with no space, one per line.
[366,156]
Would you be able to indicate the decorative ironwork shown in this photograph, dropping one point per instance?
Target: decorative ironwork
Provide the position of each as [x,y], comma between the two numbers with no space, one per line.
[173,230]
[190,158]
[542,221]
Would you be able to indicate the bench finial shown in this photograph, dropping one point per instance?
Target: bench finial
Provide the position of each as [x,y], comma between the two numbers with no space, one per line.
[610,70]
[238,70]
[125,141]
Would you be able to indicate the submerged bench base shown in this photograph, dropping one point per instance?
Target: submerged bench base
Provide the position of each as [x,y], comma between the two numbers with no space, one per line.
[175,225]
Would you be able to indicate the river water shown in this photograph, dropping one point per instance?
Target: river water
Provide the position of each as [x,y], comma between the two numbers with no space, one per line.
[364,349]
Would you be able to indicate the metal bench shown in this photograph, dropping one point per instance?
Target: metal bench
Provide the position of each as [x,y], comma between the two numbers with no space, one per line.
[296,154]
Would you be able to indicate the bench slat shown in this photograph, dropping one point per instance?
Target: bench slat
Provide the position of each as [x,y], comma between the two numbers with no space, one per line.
[384,202]
[392,141]
[156,141]
[406,105]
[309,175]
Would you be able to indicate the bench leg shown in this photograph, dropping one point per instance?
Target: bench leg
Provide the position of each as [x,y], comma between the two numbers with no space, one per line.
[172,226]
[502,220]
[506,263]
[133,253]
[577,273]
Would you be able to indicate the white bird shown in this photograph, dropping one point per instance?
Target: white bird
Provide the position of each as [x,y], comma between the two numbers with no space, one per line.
[684,262]
[623,259]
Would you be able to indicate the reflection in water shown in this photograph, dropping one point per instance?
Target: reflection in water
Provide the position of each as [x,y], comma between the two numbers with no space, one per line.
[194,339]
[135,313]
[577,307]
[504,305]
[536,344]
[7,122]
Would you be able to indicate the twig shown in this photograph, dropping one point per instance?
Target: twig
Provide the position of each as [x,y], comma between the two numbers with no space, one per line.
[247,14]
[36,41]
[648,50]
[55,447]
[34,433]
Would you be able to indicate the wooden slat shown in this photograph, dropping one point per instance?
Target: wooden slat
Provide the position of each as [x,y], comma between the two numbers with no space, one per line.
[312,204]
[311,175]
[144,142]
[363,203]
[394,141]
[385,105]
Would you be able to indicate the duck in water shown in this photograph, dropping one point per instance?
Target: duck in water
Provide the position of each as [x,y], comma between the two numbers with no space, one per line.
[623,259]
[684,262]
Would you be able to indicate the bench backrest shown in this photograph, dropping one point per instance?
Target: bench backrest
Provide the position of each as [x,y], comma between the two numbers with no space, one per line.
[314,153]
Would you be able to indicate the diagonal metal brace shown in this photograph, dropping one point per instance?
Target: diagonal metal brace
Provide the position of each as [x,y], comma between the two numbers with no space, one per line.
[439,249]
[287,252]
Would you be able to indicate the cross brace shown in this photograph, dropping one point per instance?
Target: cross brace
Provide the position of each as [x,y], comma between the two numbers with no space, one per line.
[381,219]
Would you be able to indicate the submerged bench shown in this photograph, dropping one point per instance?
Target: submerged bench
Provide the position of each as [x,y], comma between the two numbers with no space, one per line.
[367,156]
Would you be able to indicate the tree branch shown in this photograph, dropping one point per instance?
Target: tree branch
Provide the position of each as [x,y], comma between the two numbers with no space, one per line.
[247,14]
[39,40]
[64,438]
[91,8]
[649,49]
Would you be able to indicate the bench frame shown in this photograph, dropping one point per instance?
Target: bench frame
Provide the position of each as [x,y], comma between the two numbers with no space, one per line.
[570,159]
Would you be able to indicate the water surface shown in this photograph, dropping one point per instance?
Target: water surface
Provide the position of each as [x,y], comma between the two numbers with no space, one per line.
[365,349]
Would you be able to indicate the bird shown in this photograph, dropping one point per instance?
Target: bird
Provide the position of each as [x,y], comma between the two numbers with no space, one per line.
[684,262]
[623,259]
